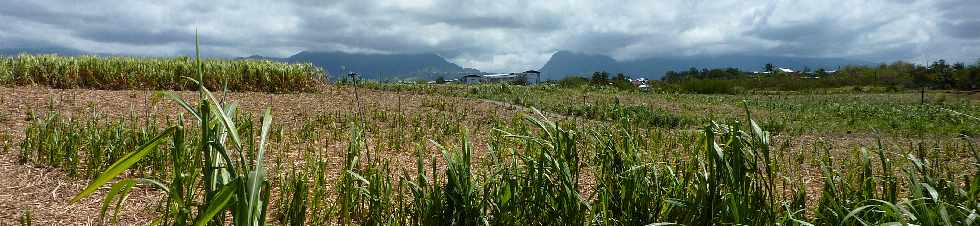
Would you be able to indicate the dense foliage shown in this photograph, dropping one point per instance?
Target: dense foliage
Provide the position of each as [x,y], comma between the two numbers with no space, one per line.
[898,75]
[117,73]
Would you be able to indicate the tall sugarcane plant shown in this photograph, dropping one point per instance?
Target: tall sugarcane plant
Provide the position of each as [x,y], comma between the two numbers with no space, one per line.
[128,73]
[230,186]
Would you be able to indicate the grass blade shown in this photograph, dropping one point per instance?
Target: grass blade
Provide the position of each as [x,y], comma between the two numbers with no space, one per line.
[224,197]
[182,104]
[121,189]
[257,177]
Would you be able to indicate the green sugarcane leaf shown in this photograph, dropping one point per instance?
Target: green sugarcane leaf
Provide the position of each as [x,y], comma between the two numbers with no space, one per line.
[224,197]
[257,177]
[120,188]
[182,104]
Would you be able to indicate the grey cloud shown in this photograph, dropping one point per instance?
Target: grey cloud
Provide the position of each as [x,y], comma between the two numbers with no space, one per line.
[601,42]
[960,18]
[133,36]
[818,37]
[499,34]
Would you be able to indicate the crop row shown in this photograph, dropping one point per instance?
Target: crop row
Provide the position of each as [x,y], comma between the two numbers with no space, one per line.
[133,73]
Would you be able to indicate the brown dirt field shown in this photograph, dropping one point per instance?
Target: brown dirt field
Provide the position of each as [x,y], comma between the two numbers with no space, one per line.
[45,191]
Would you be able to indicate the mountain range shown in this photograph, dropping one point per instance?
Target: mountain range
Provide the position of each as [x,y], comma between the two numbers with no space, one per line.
[560,65]
[430,66]
[379,66]
[565,63]
[43,50]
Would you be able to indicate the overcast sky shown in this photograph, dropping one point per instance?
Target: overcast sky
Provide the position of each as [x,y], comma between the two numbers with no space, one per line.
[504,35]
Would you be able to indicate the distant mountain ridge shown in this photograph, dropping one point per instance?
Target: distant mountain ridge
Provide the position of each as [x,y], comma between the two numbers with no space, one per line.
[426,66]
[429,66]
[565,63]
[379,66]
[42,50]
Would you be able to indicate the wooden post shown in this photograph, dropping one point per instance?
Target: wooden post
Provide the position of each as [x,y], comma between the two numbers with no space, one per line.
[922,95]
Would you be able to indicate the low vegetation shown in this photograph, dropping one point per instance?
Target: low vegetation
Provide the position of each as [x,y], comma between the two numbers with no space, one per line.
[227,169]
[840,112]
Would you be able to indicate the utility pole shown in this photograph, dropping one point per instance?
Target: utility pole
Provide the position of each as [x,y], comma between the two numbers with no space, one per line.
[922,95]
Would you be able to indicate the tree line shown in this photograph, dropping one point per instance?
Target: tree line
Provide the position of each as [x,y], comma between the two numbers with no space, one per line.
[937,75]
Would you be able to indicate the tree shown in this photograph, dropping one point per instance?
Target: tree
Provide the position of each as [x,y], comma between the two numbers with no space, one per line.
[692,72]
[620,77]
[572,81]
[622,81]
[769,67]
[974,76]
[440,80]
[734,72]
[600,78]
[671,76]
[920,77]
[944,73]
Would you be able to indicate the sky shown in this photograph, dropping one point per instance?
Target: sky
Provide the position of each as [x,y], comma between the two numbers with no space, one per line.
[505,35]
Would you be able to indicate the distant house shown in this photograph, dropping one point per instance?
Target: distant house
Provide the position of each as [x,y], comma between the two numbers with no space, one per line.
[471,79]
[638,81]
[786,70]
[641,83]
[528,77]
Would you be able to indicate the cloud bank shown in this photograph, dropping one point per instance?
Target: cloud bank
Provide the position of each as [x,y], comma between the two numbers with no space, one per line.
[505,35]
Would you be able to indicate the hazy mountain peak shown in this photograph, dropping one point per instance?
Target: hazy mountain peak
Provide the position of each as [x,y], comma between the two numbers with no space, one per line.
[564,63]
[382,66]
[43,50]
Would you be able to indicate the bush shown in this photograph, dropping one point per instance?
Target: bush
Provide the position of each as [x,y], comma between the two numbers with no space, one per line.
[708,86]
[572,82]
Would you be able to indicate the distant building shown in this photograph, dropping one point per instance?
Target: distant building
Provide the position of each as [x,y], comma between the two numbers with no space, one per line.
[786,70]
[534,77]
[528,77]
[641,83]
[638,81]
